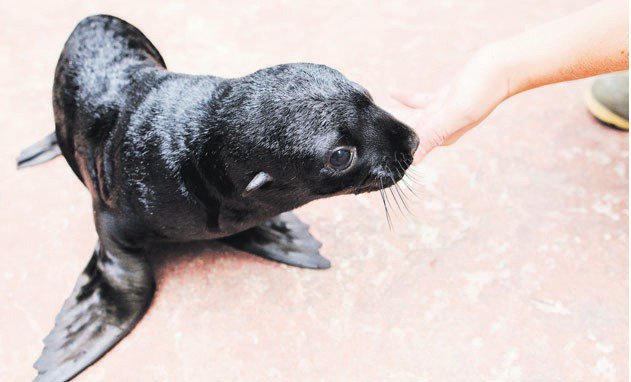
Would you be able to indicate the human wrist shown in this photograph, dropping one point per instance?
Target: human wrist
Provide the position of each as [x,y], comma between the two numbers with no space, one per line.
[502,65]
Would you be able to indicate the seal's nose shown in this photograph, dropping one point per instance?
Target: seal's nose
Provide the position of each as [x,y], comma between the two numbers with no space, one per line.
[413,142]
[407,139]
[400,136]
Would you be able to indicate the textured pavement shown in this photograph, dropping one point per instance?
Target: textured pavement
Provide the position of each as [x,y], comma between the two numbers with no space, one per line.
[514,266]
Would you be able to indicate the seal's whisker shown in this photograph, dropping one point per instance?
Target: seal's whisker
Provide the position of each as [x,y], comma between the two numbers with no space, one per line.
[409,173]
[410,189]
[395,200]
[413,170]
[383,199]
[399,169]
[397,187]
[392,192]
[412,177]
[385,194]
[405,161]
[404,180]
[403,196]
[404,177]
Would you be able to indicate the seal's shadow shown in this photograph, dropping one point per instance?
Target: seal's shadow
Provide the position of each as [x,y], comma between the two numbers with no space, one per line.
[171,256]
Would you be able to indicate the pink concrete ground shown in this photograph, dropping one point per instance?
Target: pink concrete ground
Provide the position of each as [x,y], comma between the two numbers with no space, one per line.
[513,268]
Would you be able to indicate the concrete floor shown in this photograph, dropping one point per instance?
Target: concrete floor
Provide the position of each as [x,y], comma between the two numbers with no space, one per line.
[514,266]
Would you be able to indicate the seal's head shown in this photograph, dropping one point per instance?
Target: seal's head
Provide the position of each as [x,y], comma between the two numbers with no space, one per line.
[299,132]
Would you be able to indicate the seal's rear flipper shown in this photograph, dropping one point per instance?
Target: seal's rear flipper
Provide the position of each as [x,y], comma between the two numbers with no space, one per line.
[110,297]
[283,238]
[40,152]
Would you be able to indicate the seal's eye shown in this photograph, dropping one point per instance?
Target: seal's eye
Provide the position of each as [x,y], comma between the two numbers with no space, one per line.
[341,158]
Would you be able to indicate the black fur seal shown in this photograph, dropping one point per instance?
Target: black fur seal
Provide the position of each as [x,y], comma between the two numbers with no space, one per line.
[172,157]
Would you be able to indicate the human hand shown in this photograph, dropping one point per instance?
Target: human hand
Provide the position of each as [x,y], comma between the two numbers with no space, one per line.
[443,117]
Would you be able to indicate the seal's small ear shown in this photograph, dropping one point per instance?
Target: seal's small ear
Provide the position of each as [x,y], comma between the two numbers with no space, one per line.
[259,180]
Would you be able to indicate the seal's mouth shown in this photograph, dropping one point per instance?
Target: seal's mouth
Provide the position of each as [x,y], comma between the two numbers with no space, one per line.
[377,183]
[387,178]
[385,174]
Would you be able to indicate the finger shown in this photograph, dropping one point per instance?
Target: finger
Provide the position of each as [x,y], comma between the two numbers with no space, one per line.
[453,138]
[413,100]
[419,155]
[428,139]
[426,145]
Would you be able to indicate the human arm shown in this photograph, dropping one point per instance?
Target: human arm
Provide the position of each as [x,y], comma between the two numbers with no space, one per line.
[586,43]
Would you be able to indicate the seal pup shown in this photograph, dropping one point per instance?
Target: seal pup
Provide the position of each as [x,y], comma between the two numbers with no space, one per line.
[171,157]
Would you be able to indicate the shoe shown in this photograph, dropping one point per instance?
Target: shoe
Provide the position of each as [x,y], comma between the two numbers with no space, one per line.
[608,100]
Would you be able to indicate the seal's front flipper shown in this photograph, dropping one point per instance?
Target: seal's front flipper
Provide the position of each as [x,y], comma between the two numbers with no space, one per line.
[283,238]
[39,152]
[111,295]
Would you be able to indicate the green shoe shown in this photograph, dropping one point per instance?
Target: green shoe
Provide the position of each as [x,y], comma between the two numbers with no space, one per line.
[608,99]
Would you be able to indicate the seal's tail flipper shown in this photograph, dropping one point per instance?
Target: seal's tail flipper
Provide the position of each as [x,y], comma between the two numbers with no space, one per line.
[110,297]
[40,152]
[283,238]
